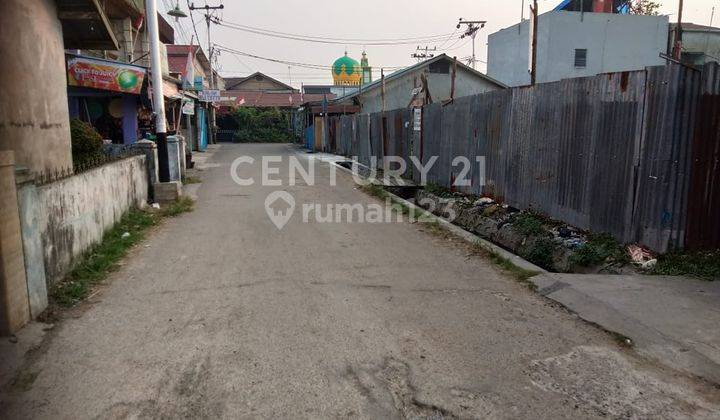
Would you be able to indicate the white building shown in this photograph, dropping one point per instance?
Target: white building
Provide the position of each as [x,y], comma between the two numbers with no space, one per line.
[576,44]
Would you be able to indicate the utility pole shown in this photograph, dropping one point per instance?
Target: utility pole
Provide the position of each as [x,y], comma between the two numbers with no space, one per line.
[157,85]
[677,47]
[533,53]
[424,55]
[473,26]
[208,16]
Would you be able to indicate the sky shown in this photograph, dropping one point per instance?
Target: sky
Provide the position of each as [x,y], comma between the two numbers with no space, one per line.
[366,20]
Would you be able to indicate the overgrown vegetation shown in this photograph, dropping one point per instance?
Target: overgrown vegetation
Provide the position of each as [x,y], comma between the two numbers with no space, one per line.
[267,125]
[102,259]
[520,274]
[86,142]
[528,224]
[700,264]
[439,190]
[374,190]
[540,252]
[412,212]
[598,249]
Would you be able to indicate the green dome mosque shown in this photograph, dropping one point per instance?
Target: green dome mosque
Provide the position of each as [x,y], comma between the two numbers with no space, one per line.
[346,71]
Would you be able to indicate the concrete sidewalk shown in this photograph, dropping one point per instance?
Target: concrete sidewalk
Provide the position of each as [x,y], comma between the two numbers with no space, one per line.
[673,320]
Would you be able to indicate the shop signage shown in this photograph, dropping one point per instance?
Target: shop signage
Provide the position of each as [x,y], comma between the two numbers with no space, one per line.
[105,75]
[209,95]
[198,85]
[188,106]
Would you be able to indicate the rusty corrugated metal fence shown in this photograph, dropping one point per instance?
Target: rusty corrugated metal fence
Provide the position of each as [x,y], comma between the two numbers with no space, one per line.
[634,154]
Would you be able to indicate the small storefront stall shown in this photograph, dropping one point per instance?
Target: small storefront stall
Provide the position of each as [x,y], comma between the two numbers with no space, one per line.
[106,94]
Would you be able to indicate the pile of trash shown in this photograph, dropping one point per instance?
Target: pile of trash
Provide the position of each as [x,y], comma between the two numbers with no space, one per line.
[642,257]
[502,224]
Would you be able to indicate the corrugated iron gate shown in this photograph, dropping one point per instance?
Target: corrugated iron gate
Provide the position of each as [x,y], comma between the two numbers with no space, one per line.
[634,154]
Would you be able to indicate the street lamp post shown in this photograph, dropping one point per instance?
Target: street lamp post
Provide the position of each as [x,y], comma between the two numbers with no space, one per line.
[210,57]
[157,84]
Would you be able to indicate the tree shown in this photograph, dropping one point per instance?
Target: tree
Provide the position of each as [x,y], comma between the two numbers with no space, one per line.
[643,7]
[267,125]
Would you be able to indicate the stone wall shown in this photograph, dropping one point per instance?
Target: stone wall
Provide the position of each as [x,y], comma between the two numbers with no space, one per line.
[73,213]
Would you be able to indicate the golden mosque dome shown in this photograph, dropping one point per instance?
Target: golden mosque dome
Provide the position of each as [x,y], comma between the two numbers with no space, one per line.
[346,71]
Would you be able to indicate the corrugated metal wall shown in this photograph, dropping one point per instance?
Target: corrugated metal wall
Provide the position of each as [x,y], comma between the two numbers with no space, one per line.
[703,228]
[609,153]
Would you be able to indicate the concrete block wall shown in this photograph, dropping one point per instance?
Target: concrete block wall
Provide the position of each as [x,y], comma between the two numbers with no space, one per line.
[27,196]
[75,212]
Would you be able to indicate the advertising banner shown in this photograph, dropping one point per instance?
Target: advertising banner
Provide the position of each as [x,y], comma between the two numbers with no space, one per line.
[188,106]
[198,84]
[209,95]
[105,75]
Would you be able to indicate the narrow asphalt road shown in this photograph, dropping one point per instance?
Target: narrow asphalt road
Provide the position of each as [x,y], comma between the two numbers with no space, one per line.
[221,315]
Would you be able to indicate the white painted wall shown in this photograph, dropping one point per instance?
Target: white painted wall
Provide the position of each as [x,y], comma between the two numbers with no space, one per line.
[614,43]
[74,213]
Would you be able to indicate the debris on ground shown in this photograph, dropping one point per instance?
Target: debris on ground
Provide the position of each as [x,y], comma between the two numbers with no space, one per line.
[641,256]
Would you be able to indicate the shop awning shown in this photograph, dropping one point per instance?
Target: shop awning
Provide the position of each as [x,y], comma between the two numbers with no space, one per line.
[85,25]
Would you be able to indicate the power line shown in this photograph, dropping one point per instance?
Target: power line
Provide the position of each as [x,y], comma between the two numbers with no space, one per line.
[337,38]
[192,19]
[473,26]
[423,55]
[328,40]
[288,62]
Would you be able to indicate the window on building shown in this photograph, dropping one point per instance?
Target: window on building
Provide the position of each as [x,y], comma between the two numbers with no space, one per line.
[441,66]
[581,57]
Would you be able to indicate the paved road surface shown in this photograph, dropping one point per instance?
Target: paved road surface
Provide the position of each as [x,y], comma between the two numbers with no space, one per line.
[221,315]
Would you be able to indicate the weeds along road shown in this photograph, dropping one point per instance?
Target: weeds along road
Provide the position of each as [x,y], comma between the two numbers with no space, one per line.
[221,315]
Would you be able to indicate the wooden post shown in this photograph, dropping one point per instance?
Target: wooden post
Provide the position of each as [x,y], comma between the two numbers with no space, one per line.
[382,87]
[677,47]
[533,58]
[452,80]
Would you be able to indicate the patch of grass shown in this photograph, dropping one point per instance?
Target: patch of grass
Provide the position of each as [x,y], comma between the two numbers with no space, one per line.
[528,224]
[540,252]
[23,381]
[374,190]
[518,273]
[191,180]
[598,249]
[183,205]
[700,264]
[439,190]
[103,258]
